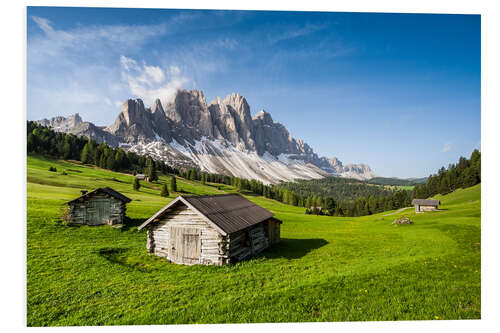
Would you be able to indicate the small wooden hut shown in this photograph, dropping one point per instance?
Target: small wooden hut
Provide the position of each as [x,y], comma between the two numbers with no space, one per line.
[210,230]
[425,205]
[141,176]
[100,206]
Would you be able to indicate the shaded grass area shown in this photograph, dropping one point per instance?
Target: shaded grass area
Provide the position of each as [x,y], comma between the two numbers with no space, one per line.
[325,268]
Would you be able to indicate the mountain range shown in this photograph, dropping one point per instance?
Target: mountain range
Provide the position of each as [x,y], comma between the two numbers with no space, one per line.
[218,137]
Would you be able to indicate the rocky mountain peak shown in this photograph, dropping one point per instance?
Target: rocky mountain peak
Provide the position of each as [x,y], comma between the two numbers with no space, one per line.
[239,104]
[157,107]
[263,116]
[75,119]
[251,146]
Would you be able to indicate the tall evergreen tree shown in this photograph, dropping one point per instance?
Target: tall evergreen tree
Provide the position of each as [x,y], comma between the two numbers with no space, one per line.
[173,184]
[136,185]
[164,190]
[85,156]
[110,161]
[151,170]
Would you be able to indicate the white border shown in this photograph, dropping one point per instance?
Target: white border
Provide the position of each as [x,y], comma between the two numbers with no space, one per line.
[13,84]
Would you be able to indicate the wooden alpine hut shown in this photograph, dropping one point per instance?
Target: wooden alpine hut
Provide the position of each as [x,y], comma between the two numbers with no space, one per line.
[210,230]
[425,205]
[100,206]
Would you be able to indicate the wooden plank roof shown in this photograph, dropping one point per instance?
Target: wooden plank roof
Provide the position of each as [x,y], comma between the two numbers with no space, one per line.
[227,213]
[107,190]
[425,202]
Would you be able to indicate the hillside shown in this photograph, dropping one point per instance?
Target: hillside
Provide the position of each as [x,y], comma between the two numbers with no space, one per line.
[396,181]
[338,188]
[221,136]
[325,269]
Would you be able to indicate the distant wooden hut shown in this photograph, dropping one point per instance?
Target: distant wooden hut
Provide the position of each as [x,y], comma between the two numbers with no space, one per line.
[210,230]
[425,205]
[141,176]
[100,206]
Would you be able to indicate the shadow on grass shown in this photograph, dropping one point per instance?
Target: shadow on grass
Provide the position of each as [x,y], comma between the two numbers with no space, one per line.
[117,255]
[182,191]
[129,223]
[292,248]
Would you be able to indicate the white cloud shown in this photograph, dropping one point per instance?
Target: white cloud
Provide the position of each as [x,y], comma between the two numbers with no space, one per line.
[76,69]
[155,73]
[44,24]
[148,82]
[446,148]
[294,32]
[127,63]
[174,70]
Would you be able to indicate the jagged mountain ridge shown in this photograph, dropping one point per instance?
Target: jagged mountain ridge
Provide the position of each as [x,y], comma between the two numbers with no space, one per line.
[220,137]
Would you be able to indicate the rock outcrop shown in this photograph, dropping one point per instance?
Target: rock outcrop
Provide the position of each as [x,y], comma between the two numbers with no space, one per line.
[220,136]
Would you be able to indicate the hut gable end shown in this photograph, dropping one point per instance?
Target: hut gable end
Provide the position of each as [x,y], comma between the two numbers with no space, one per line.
[183,236]
[101,206]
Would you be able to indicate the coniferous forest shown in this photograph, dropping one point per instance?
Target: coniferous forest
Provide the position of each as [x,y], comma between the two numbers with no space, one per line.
[327,196]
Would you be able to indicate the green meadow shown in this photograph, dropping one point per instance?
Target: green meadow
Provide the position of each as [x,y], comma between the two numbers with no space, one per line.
[325,268]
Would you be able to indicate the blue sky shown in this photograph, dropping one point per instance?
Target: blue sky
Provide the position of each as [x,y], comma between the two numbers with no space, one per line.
[400,92]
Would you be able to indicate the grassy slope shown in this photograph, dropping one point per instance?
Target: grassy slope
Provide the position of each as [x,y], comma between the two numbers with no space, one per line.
[325,268]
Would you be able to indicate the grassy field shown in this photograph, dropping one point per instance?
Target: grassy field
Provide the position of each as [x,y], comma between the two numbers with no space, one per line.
[325,268]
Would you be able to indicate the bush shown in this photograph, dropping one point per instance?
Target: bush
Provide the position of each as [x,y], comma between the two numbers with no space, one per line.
[164,191]
[52,169]
[136,185]
[64,173]
[64,214]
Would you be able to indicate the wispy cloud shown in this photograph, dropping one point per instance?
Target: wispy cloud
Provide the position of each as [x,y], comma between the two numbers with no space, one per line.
[294,32]
[447,147]
[75,70]
[100,39]
[152,82]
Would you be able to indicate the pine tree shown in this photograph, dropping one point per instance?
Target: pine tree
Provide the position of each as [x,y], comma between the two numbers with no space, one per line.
[372,205]
[102,161]
[84,157]
[173,184]
[151,170]
[164,191]
[66,150]
[203,178]
[110,161]
[136,185]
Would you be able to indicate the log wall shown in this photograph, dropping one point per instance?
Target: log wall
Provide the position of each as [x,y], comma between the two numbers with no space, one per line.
[86,211]
[427,208]
[212,251]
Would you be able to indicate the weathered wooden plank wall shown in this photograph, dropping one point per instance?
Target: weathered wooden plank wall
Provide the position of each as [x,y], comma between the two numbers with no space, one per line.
[97,209]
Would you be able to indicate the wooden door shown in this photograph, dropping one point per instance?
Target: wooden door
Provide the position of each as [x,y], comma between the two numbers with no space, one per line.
[184,245]
[98,211]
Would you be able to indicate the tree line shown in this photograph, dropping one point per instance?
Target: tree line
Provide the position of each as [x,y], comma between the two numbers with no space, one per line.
[327,196]
[465,173]
[47,142]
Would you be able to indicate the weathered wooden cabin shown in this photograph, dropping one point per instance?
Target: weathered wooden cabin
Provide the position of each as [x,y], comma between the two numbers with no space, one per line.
[425,205]
[100,206]
[210,230]
[141,176]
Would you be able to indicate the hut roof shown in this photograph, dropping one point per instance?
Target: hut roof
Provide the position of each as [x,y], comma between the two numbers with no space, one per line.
[107,190]
[425,202]
[227,213]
